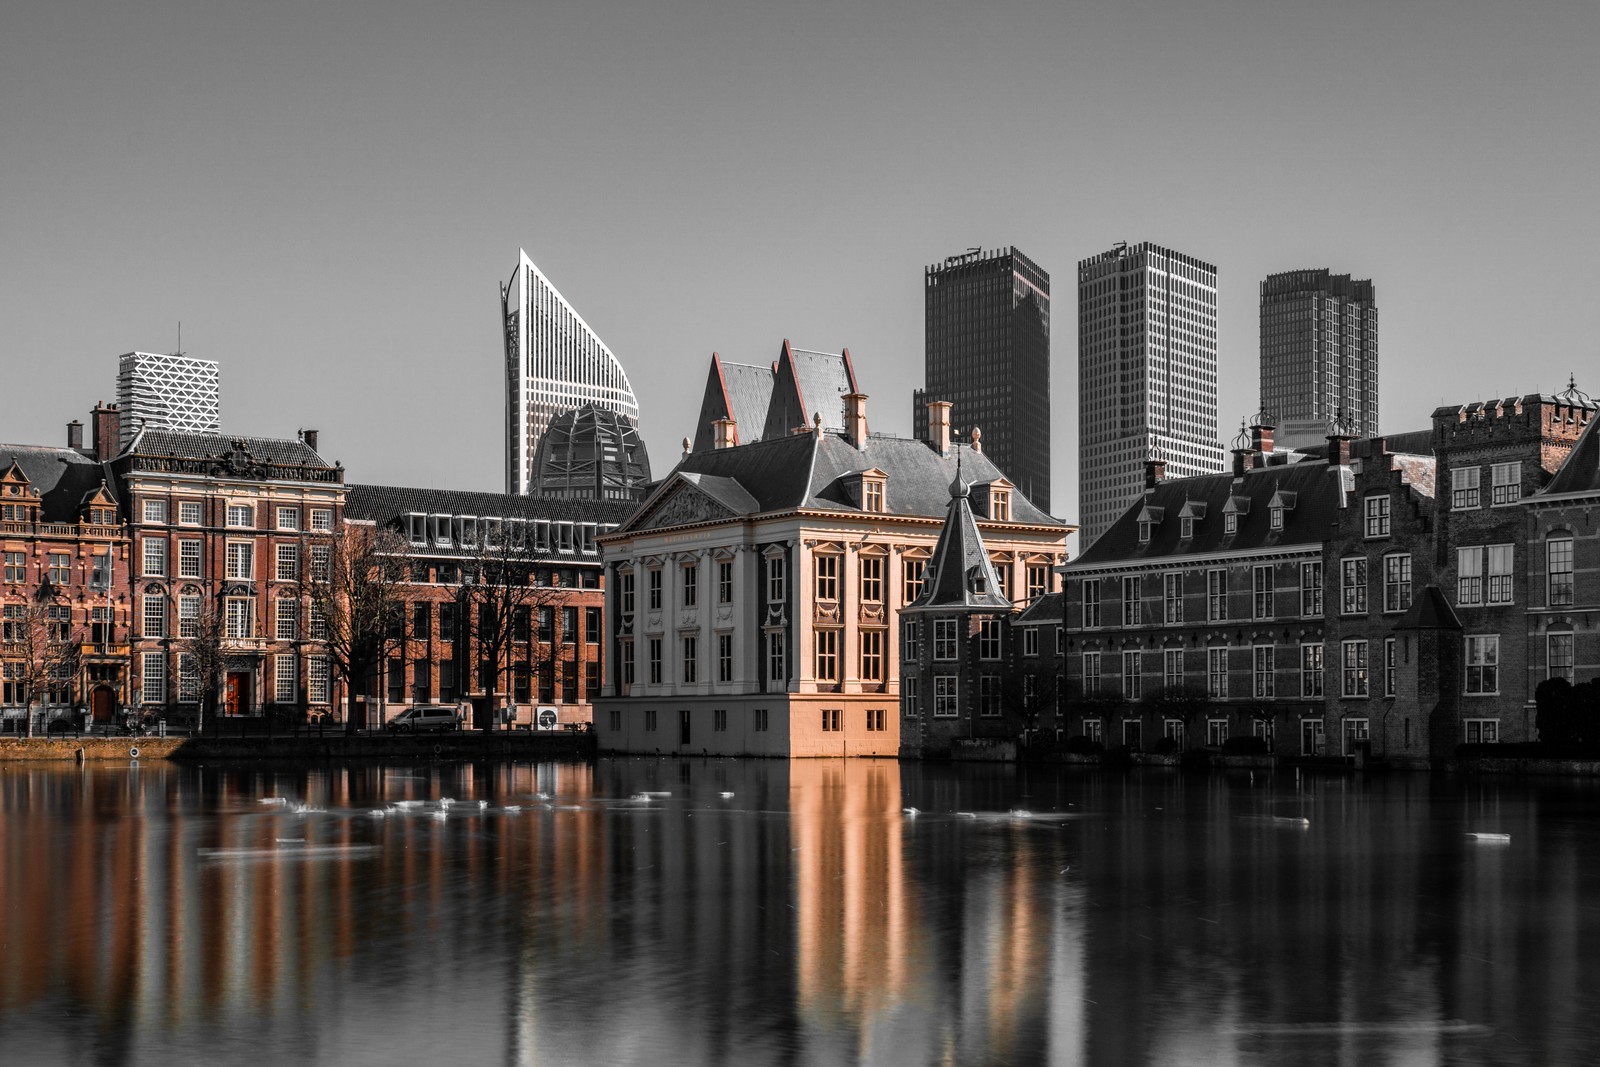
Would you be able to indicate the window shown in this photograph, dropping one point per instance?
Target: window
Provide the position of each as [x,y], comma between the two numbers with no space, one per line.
[1030,690]
[241,515]
[1388,667]
[777,666]
[1558,568]
[1144,531]
[1356,731]
[422,621]
[719,720]
[1464,487]
[1092,729]
[569,625]
[874,719]
[908,697]
[155,616]
[1216,595]
[286,619]
[1217,673]
[1261,598]
[101,630]
[1311,671]
[758,720]
[189,559]
[1499,588]
[189,512]
[1275,517]
[155,511]
[1471,565]
[872,491]
[240,617]
[913,572]
[547,624]
[153,558]
[1091,603]
[283,674]
[288,569]
[944,639]
[1353,586]
[654,589]
[188,679]
[1262,672]
[827,643]
[691,585]
[989,639]
[1483,664]
[1507,483]
[322,520]
[650,721]
[827,587]
[1000,505]
[626,593]
[1172,597]
[1185,527]
[1091,673]
[1216,732]
[1559,657]
[58,566]
[317,680]
[1132,679]
[776,581]
[946,697]
[872,579]
[155,678]
[1482,731]
[16,567]
[1230,522]
[1030,641]
[241,560]
[725,582]
[321,564]
[1354,683]
[15,628]
[58,622]
[1172,667]
[1132,604]
[910,640]
[1038,580]
[872,655]
[288,518]
[724,657]
[654,649]
[1173,729]
[989,695]
[591,625]
[1377,516]
[1396,582]
[188,615]
[1311,588]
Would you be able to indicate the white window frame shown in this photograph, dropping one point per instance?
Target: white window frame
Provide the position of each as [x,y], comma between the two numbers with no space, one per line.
[1505,484]
[1396,586]
[946,645]
[1263,672]
[1465,485]
[1217,672]
[1355,669]
[1569,669]
[1313,671]
[241,516]
[190,513]
[1482,655]
[289,518]
[1375,516]
[946,696]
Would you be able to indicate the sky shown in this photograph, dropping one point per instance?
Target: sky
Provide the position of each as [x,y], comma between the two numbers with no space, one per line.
[328,195]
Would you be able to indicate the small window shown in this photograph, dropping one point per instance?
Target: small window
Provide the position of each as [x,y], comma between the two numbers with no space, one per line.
[288,518]
[155,511]
[241,515]
[1230,522]
[189,513]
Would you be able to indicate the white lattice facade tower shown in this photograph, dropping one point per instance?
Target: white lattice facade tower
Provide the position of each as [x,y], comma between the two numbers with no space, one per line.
[167,392]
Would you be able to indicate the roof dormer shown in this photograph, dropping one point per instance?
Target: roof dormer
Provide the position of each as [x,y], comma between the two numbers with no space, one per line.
[994,498]
[1149,519]
[1191,511]
[1235,507]
[1282,502]
[869,490]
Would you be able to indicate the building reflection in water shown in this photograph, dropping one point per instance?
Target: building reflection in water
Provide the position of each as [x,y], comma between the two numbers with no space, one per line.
[725,911]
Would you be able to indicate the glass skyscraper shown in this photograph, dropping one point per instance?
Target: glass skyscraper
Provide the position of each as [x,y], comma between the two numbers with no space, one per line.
[987,348]
[1147,375]
[1319,355]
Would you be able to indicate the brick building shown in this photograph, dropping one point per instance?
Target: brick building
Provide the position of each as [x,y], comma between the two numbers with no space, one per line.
[1563,565]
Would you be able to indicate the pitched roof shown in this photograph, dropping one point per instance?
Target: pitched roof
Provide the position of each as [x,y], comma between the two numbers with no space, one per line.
[1430,610]
[64,477]
[960,576]
[1319,492]
[1580,471]
[735,391]
[1043,609]
[384,504]
[276,451]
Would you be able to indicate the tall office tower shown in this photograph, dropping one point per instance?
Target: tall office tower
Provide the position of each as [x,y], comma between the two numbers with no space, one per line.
[1319,355]
[1147,375]
[987,350]
[554,364]
[166,392]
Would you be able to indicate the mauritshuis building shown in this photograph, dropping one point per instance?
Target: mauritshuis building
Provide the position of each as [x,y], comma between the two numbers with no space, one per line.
[1319,354]
[988,354]
[1147,375]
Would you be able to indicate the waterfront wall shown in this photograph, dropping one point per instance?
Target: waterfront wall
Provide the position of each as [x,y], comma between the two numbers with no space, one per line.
[338,747]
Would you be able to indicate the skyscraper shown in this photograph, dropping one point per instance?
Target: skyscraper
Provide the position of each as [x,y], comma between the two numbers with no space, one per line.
[554,364]
[1147,375]
[987,350]
[1319,354]
[167,392]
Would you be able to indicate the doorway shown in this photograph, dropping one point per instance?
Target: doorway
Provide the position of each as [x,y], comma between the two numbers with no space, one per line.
[1311,737]
[238,693]
[102,704]
[683,727]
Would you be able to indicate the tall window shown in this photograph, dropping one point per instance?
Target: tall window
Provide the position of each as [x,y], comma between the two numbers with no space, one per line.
[944,639]
[154,665]
[1172,667]
[1507,488]
[288,569]
[1132,601]
[1030,641]
[283,674]
[777,670]
[16,567]
[1558,569]
[320,567]
[189,559]
[188,615]
[1559,657]
[189,679]
[154,557]
[827,584]
[913,572]
[654,650]
[989,695]
[691,659]
[873,494]
[1311,671]
[1498,589]
[1483,663]
[1311,588]
[155,616]
[872,655]
[1261,658]
[1354,659]
[910,640]
[1388,667]
[872,579]
[1217,673]
[946,696]
[1464,487]
[908,697]
[1132,678]
[1377,516]
[317,680]
[654,589]
[1091,603]
[691,585]
[240,617]
[827,643]
[1262,590]
[1172,597]
[1038,580]
[1353,586]
[1216,595]
[1091,672]
[1396,582]
[241,560]
[286,619]
[725,582]
[989,639]
[776,580]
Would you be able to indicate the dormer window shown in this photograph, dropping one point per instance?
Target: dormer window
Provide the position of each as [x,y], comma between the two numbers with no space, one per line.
[1275,516]
[1230,522]
[1144,531]
[977,584]
[1186,527]
[1000,504]
[871,495]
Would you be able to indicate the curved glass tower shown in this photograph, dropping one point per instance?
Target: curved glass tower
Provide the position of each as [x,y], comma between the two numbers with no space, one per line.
[554,363]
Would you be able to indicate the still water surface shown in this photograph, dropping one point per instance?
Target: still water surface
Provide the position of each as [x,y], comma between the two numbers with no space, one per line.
[731,912]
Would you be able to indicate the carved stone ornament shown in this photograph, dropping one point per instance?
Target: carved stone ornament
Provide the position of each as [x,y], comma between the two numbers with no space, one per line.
[776,616]
[685,506]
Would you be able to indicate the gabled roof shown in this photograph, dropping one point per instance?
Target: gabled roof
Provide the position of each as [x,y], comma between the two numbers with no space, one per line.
[64,477]
[385,504]
[736,391]
[960,576]
[1431,610]
[1580,471]
[806,384]
[1045,609]
[278,452]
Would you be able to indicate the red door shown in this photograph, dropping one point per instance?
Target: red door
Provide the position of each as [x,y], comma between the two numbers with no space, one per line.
[102,703]
[238,693]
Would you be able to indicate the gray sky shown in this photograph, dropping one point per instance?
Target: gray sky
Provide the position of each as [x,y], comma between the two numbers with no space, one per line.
[328,194]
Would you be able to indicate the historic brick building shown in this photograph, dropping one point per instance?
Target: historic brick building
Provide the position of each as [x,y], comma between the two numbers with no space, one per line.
[1563,564]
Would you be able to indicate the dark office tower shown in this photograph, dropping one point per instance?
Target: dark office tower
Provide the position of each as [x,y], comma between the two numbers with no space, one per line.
[988,354]
[1319,354]
[1147,375]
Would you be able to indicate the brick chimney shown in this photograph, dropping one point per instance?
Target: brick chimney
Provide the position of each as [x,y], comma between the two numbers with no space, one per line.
[1261,438]
[310,438]
[1155,468]
[1339,449]
[107,425]
[724,433]
[855,419]
[75,435]
[939,426]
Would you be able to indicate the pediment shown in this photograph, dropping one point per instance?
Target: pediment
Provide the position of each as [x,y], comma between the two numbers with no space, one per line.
[682,505]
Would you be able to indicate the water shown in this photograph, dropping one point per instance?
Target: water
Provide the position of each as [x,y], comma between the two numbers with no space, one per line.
[720,911]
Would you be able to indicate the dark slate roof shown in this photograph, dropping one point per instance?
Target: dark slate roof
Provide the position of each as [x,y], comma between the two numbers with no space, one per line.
[749,393]
[384,504]
[805,384]
[1580,471]
[1318,490]
[1043,609]
[1431,610]
[960,552]
[64,477]
[725,491]
[281,452]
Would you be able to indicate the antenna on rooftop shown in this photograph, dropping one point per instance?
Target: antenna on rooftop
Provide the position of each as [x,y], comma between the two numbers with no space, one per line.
[179,352]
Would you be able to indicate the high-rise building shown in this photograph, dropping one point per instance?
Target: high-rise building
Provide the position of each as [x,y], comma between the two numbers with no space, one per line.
[554,364]
[988,354]
[167,392]
[1319,355]
[1147,375]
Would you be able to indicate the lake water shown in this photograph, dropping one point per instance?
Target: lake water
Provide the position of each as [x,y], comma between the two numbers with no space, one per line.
[755,912]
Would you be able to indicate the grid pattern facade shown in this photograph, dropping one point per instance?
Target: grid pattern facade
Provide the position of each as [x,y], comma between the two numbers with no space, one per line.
[1147,375]
[167,392]
[554,363]
[988,353]
[592,453]
[1319,354]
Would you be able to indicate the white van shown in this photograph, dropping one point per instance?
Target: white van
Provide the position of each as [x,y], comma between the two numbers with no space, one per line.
[423,719]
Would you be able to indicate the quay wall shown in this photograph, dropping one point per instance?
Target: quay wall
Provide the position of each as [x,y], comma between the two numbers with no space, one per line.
[456,746]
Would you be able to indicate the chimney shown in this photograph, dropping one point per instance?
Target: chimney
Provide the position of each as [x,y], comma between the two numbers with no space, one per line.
[1339,449]
[310,438]
[1155,468]
[1261,437]
[855,419]
[724,433]
[107,425]
[939,426]
[75,435]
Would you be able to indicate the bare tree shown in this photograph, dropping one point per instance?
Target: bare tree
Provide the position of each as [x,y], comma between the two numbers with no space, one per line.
[1186,703]
[39,636]
[209,659]
[355,596]
[500,596]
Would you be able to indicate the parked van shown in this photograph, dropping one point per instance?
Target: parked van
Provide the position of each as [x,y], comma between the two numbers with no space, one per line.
[421,720]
